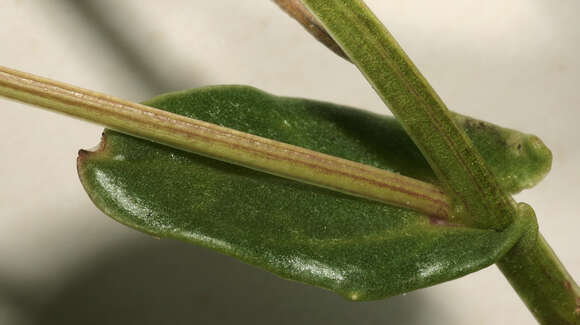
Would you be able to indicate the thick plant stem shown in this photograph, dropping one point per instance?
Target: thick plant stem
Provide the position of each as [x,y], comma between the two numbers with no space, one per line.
[226,144]
[540,279]
[531,266]
[478,199]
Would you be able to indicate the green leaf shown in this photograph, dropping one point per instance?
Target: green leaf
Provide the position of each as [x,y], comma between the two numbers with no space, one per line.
[517,160]
[358,248]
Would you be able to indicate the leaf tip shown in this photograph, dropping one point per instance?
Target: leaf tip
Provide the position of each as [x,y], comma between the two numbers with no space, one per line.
[539,150]
[541,159]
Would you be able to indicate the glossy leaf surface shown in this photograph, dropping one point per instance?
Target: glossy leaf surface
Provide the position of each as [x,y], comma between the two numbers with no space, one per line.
[358,248]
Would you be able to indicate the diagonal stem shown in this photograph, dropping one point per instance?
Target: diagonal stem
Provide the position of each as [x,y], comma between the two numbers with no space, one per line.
[226,144]
[531,266]
[296,10]
[477,198]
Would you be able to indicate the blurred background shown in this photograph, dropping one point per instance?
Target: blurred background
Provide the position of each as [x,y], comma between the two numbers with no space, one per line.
[62,261]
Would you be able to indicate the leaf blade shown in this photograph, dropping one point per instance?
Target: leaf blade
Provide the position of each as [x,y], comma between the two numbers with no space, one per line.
[361,249]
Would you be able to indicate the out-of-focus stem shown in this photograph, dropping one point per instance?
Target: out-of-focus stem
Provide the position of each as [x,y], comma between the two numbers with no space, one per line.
[296,10]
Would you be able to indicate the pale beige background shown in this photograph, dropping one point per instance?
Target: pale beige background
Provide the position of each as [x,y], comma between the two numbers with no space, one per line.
[61,260]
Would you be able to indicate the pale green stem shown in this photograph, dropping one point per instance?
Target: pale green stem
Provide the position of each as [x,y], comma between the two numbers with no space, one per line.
[531,266]
[226,144]
[540,279]
[477,198]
